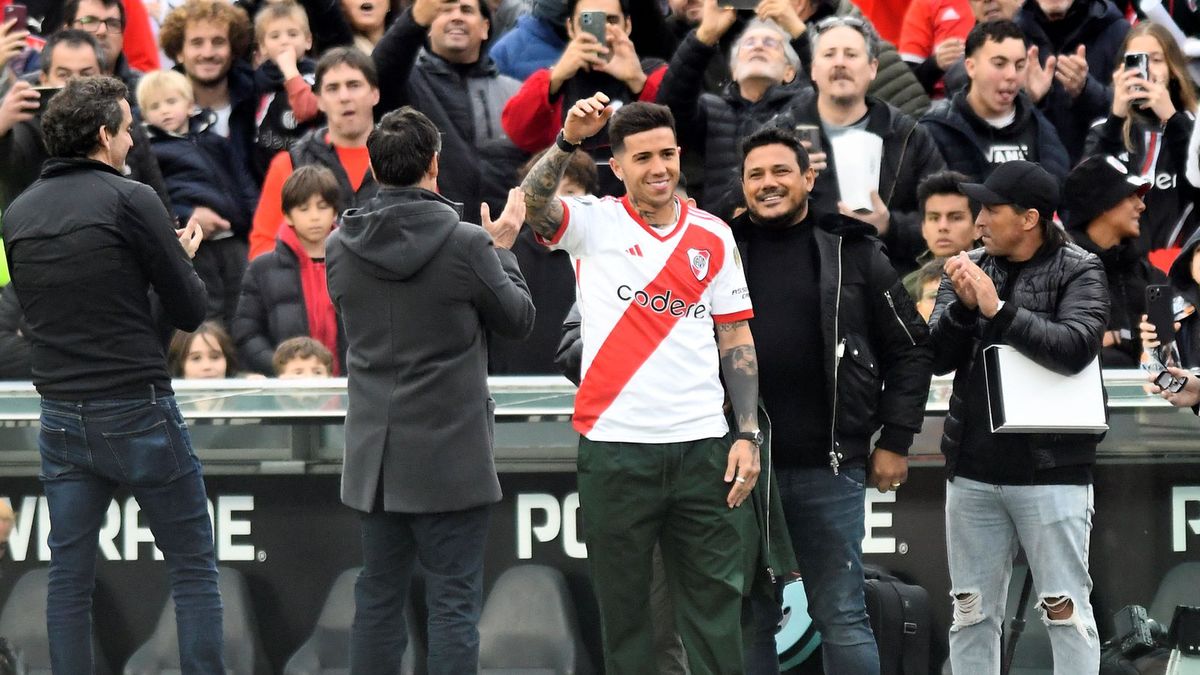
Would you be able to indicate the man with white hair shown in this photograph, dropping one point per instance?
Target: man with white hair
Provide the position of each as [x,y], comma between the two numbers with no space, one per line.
[766,77]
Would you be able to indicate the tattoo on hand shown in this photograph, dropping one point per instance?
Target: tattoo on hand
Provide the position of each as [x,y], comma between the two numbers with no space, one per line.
[543,211]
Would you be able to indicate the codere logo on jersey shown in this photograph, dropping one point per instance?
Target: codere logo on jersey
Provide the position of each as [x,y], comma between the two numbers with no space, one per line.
[662,303]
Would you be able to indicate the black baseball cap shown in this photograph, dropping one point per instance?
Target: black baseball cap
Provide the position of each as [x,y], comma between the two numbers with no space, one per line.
[1017,183]
[1096,185]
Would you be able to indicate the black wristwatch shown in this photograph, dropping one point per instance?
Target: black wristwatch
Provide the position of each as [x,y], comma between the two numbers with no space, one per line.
[563,144]
[756,437]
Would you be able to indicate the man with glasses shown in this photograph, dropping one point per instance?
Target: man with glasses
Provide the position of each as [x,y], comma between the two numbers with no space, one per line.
[766,77]
[844,117]
[105,20]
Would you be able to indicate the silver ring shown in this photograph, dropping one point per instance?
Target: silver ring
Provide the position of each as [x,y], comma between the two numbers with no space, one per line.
[740,479]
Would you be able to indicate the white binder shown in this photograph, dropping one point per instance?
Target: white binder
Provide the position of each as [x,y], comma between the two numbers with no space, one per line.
[1024,397]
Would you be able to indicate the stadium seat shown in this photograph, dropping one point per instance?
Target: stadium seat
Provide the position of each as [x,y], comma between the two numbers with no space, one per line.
[327,650]
[23,624]
[529,626]
[1179,586]
[243,651]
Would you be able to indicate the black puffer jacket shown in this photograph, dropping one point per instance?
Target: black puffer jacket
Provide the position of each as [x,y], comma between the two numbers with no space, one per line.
[878,359]
[909,155]
[316,148]
[713,126]
[960,135]
[1099,27]
[1055,315]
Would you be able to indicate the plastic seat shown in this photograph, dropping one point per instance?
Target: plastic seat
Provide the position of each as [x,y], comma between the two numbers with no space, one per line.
[1179,586]
[243,650]
[23,624]
[529,626]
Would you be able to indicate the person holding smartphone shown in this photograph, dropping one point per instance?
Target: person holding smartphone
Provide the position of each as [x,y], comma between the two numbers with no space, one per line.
[1150,122]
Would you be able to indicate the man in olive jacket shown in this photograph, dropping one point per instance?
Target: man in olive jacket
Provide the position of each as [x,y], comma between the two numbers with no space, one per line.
[417,290]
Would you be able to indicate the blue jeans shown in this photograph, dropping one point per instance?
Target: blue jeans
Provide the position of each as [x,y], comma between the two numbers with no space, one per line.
[88,450]
[450,549]
[984,525]
[825,517]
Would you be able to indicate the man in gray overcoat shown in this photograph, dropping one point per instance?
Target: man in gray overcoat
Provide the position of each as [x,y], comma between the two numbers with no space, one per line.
[418,290]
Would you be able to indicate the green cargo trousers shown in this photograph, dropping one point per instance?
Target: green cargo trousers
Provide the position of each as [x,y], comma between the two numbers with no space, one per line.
[634,494]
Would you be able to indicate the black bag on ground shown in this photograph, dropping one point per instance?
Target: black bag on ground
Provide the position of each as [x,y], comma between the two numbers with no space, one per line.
[900,619]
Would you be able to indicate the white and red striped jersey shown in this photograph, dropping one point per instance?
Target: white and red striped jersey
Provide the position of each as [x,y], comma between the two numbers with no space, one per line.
[648,300]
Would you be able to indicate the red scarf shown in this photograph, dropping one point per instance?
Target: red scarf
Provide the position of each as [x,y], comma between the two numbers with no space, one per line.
[322,318]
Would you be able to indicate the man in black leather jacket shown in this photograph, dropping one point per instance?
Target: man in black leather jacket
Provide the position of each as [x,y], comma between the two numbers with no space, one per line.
[1031,289]
[843,354]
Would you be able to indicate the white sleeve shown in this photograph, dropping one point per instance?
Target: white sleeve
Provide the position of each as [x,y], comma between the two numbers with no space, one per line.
[1192,168]
[731,297]
[574,234]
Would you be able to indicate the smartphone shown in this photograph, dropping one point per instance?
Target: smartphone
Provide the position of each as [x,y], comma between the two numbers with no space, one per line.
[1140,63]
[1159,300]
[18,12]
[812,134]
[738,4]
[595,23]
[44,96]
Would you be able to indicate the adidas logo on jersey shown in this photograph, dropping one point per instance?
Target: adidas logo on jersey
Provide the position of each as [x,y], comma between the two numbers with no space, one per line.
[663,303]
[635,251]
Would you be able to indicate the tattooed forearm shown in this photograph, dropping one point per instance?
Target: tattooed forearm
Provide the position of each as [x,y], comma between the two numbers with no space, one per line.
[739,366]
[543,211]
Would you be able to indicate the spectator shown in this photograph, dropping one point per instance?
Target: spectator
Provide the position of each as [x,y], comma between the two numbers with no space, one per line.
[933,37]
[551,281]
[1185,282]
[1104,204]
[288,108]
[8,520]
[88,247]
[14,338]
[766,79]
[302,357]
[947,221]
[284,293]
[536,42]
[210,40]
[535,114]
[955,78]
[1005,490]
[994,121]
[418,288]
[1148,127]
[923,286]
[629,425]
[895,83]
[368,21]
[1078,43]
[205,354]
[347,92]
[205,181]
[104,19]
[845,60]
[68,54]
[796,258]
[455,84]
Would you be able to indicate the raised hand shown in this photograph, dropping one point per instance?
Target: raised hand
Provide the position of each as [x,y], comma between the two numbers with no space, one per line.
[504,229]
[1038,78]
[583,52]
[586,118]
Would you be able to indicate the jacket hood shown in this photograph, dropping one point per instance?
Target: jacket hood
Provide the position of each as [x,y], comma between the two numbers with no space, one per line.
[399,230]
[1181,269]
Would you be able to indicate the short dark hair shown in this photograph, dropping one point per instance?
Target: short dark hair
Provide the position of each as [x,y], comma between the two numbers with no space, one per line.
[776,136]
[307,181]
[75,115]
[944,183]
[347,56]
[996,31]
[634,118]
[302,347]
[71,10]
[72,37]
[402,147]
[182,341]
[572,4]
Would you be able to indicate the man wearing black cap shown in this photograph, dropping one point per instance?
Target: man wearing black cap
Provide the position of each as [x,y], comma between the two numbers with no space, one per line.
[1104,205]
[1031,289]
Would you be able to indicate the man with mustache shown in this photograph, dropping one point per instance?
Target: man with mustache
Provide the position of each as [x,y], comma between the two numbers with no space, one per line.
[455,83]
[844,63]
[994,121]
[830,312]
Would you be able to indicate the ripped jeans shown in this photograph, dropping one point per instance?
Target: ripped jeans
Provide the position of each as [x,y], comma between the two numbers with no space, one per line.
[984,525]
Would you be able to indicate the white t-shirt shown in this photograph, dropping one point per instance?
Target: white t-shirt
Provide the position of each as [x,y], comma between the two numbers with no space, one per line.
[648,300]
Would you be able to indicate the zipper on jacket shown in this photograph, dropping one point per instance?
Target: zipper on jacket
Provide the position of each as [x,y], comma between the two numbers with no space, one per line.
[888,294]
[767,510]
[487,117]
[899,164]
[834,460]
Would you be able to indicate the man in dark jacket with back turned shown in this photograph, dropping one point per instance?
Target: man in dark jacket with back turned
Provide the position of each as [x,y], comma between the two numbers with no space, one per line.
[1030,289]
[86,246]
[417,289]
